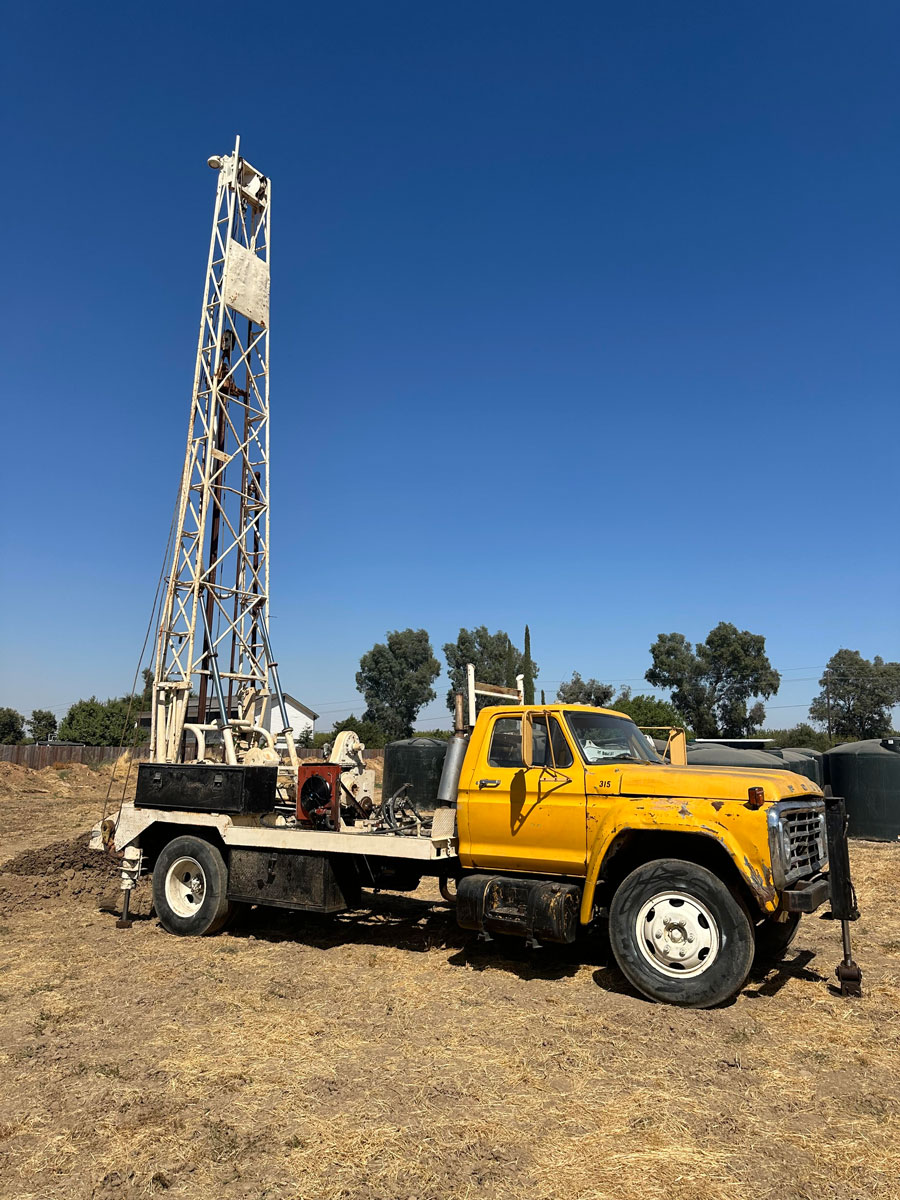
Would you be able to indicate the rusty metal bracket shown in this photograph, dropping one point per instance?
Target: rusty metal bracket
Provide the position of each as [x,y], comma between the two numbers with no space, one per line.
[850,977]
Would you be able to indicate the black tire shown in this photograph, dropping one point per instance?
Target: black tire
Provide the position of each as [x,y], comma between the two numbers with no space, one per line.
[694,917]
[190,885]
[774,935]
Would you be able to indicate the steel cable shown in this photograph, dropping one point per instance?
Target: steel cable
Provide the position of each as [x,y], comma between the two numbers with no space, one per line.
[137,670]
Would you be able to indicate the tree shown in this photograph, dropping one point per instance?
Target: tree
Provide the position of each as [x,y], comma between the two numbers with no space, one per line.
[492,654]
[12,727]
[799,735]
[396,677]
[585,691]
[371,736]
[528,670]
[647,710]
[42,724]
[712,685]
[304,739]
[510,679]
[96,722]
[643,710]
[857,696]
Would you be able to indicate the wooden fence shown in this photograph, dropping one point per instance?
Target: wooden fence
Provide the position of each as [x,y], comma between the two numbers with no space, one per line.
[45,756]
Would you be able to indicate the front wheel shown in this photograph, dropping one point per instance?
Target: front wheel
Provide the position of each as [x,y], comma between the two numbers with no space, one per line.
[190,883]
[680,935]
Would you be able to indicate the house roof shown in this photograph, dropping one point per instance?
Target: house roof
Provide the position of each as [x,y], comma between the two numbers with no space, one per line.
[308,712]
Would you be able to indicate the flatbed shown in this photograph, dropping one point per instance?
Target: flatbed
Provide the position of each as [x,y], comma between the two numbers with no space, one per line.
[260,832]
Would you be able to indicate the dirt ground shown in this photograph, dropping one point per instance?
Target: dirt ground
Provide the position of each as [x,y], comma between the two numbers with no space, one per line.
[383,1056]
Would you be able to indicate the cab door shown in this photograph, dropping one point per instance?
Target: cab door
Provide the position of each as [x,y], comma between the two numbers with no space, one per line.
[521,820]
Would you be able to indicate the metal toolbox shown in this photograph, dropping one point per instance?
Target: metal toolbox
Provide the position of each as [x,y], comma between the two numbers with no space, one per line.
[206,788]
[300,880]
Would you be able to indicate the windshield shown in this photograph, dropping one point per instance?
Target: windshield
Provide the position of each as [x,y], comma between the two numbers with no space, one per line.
[604,739]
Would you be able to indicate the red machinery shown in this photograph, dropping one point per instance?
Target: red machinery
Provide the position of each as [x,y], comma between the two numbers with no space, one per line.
[319,794]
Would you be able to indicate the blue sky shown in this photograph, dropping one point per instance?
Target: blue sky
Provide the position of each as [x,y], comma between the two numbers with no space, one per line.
[583,316]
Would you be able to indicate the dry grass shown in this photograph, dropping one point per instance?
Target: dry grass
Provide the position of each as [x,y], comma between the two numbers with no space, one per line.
[379,1056]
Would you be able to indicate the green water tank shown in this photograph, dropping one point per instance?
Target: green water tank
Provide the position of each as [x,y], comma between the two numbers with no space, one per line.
[867,775]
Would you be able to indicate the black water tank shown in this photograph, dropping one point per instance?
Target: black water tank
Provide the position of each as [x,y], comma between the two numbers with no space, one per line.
[705,754]
[815,757]
[867,775]
[418,761]
[802,764]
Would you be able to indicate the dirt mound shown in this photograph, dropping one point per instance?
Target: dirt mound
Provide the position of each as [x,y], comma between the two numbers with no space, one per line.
[71,855]
[10,770]
[16,780]
[65,869]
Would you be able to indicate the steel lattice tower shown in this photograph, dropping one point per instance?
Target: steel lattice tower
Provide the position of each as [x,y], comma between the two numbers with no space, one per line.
[213,630]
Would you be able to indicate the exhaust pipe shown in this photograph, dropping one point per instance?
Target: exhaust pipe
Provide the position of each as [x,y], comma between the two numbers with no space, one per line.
[448,787]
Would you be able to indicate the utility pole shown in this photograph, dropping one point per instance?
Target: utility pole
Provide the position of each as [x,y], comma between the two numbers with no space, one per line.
[828,702]
[213,629]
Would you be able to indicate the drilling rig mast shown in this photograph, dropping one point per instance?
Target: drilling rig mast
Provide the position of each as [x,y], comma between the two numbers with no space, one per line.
[213,638]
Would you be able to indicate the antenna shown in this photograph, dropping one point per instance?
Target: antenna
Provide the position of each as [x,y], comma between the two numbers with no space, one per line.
[213,632]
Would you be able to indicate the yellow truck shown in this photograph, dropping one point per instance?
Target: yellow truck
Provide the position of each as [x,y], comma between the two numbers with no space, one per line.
[696,869]
[548,820]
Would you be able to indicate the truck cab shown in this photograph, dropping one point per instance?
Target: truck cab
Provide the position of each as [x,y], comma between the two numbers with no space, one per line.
[696,868]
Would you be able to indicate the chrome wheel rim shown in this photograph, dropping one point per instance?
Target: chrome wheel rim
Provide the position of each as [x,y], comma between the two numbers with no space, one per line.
[677,934]
[185,886]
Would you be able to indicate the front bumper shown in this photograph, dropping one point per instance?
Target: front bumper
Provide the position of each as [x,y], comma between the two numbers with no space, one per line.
[807,895]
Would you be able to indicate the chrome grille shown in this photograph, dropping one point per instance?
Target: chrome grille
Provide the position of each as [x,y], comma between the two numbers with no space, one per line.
[797,841]
[806,842]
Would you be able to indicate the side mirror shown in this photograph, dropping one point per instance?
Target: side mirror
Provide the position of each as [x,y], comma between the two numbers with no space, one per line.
[527,740]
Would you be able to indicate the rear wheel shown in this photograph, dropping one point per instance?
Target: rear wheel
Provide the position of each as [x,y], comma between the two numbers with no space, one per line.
[190,885]
[680,935]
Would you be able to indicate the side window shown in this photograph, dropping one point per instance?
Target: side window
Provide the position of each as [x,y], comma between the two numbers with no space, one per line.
[506,743]
[562,754]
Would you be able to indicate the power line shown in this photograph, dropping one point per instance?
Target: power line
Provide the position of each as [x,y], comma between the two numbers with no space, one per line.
[773,707]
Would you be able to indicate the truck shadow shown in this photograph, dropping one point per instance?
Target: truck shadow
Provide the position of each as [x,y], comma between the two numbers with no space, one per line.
[403,922]
[515,957]
[425,926]
[420,926]
[769,979]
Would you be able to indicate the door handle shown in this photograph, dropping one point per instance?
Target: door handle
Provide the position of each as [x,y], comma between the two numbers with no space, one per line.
[483,783]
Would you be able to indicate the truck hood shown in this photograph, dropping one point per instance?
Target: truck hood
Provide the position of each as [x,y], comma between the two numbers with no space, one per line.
[712,783]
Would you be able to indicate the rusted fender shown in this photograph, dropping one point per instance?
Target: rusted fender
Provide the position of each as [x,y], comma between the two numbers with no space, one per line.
[740,830]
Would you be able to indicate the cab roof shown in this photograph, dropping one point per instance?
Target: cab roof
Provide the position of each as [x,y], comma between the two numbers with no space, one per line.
[557,706]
